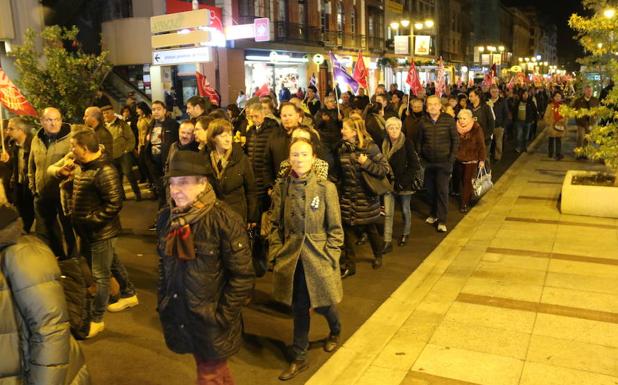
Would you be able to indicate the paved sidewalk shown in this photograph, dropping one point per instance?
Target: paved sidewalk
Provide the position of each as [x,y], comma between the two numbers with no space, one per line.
[517,293]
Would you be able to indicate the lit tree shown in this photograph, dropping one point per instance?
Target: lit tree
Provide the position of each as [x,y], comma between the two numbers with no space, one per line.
[596,35]
[54,75]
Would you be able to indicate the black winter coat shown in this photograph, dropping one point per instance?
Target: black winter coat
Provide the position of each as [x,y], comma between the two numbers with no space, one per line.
[437,142]
[237,186]
[330,130]
[532,113]
[169,135]
[405,165]
[359,206]
[200,300]
[277,150]
[97,200]
[501,112]
[485,118]
[375,127]
[255,147]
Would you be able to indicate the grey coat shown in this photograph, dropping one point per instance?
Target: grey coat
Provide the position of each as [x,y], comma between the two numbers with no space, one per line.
[36,346]
[310,231]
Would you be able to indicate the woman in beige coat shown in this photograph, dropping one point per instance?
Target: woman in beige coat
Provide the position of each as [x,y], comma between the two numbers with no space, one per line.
[556,126]
[305,245]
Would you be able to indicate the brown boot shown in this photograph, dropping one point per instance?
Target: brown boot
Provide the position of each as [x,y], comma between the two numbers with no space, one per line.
[293,370]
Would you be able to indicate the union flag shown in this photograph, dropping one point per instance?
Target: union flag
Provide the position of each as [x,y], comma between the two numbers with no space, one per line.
[12,99]
[360,71]
[205,89]
[413,81]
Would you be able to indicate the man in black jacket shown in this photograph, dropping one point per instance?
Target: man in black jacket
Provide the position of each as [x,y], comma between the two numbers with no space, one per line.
[501,113]
[484,116]
[94,208]
[93,118]
[437,143]
[205,271]
[277,148]
[163,131]
[328,123]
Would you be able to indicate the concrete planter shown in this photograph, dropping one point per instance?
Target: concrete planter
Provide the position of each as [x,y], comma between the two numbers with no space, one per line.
[595,201]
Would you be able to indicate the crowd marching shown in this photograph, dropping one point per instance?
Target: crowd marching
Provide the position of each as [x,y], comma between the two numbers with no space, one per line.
[287,183]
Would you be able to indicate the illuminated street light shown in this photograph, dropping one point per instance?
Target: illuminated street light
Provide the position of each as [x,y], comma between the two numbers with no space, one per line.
[538,57]
[609,13]
[394,25]
[429,23]
[521,59]
[418,25]
[481,49]
[600,45]
[491,48]
[405,23]
[527,59]
[501,48]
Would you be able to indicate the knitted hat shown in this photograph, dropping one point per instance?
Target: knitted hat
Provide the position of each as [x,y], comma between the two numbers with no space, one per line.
[189,163]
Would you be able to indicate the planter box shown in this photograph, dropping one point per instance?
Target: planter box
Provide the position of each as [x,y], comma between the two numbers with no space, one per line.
[595,201]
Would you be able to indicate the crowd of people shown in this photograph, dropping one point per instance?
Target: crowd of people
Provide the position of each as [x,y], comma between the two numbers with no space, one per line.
[291,186]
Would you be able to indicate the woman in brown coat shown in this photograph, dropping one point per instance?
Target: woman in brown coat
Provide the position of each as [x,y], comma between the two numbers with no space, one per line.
[471,153]
[556,125]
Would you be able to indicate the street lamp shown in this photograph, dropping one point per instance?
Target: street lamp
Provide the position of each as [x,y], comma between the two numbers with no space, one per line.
[609,13]
[429,23]
[394,25]
[405,23]
[418,25]
[501,48]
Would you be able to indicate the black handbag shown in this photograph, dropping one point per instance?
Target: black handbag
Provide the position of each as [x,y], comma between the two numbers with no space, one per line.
[378,186]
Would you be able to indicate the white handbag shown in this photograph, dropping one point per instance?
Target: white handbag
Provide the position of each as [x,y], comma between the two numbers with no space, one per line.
[482,183]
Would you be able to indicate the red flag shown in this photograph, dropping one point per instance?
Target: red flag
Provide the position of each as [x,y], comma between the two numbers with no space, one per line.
[205,89]
[12,98]
[489,77]
[360,71]
[413,81]
[263,91]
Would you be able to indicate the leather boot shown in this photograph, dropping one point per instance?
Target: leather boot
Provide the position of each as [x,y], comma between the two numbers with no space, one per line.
[293,370]
[331,343]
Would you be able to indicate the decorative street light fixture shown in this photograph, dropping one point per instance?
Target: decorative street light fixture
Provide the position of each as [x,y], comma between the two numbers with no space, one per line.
[609,13]
[405,23]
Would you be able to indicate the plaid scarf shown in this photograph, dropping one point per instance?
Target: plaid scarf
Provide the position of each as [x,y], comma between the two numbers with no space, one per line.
[179,240]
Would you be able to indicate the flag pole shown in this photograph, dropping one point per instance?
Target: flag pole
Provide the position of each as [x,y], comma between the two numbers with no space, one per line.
[332,72]
[2,128]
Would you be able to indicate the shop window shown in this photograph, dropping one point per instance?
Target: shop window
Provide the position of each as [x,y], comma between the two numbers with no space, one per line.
[301,12]
[353,20]
[261,8]
[340,18]
[282,11]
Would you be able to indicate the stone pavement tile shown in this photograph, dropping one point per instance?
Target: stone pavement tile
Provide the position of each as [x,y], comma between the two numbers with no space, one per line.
[582,282]
[584,268]
[383,376]
[516,261]
[593,220]
[420,378]
[574,355]
[466,365]
[540,374]
[481,339]
[536,211]
[491,317]
[503,289]
[515,242]
[576,329]
[509,275]
[343,368]
[580,299]
[604,249]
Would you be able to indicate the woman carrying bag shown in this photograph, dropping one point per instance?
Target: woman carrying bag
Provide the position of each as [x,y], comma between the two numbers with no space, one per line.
[305,244]
[470,156]
[400,153]
[556,125]
[360,207]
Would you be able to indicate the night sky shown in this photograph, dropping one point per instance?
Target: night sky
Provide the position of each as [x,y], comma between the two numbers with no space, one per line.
[559,12]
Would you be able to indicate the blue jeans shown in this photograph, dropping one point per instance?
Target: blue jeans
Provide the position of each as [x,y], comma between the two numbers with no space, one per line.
[104,263]
[389,210]
[523,131]
[301,304]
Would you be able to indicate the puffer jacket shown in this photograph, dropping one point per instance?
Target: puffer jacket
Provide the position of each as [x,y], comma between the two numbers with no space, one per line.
[42,156]
[237,185]
[35,343]
[255,147]
[97,200]
[437,141]
[359,206]
[200,301]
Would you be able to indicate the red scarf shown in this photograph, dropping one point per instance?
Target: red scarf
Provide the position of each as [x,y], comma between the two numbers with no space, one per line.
[556,111]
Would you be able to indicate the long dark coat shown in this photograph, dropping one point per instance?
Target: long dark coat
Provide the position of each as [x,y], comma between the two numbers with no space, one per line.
[359,206]
[309,230]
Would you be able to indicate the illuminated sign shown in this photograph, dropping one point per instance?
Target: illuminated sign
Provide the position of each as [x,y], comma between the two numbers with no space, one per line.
[180,56]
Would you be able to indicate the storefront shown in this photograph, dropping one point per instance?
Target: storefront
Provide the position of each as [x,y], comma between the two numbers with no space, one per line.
[277,69]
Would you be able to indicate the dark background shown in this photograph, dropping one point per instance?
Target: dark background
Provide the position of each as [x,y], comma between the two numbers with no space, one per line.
[558,12]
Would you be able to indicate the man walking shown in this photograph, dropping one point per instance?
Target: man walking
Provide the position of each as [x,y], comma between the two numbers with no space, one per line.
[586,101]
[95,207]
[123,144]
[205,270]
[437,144]
[501,113]
[49,145]
[93,118]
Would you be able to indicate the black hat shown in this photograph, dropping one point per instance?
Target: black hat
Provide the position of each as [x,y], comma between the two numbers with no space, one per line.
[189,163]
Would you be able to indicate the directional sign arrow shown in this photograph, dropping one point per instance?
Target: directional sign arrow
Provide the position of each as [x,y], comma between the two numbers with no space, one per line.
[157,57]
